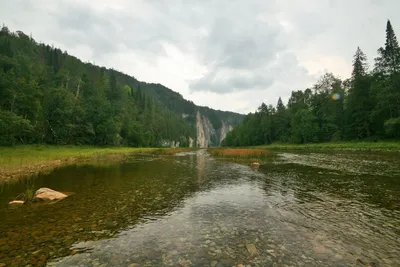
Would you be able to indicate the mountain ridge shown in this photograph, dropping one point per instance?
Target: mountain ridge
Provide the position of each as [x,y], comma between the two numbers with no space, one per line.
[76,102]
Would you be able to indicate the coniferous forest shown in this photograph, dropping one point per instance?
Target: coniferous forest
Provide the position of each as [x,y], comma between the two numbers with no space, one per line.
[364,107]
[50,97]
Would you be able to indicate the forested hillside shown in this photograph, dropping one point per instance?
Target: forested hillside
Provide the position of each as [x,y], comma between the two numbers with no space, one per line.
[364,107]
[48,96]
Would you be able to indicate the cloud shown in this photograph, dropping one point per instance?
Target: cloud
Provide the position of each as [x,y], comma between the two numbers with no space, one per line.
[218,53]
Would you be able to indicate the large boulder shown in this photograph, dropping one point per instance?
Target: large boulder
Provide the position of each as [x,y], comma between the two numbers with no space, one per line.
[49,194]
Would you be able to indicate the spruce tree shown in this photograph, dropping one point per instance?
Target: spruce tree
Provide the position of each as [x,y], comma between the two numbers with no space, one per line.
[280,107]
[388,61]
[359,64]
[359,103]
[387,84]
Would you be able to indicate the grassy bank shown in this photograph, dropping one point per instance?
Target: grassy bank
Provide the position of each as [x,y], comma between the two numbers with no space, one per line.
[248,155]
[23,160]
[172,151]
[351,146]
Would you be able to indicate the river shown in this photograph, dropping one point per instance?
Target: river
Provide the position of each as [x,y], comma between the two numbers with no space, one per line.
[190,209]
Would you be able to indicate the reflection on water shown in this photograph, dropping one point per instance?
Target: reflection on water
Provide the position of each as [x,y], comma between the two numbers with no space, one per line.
[193,210]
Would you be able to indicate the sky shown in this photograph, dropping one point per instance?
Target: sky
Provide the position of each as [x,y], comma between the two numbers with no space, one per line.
[225,54]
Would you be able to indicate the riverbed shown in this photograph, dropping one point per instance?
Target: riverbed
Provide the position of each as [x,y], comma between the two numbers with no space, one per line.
[190,209]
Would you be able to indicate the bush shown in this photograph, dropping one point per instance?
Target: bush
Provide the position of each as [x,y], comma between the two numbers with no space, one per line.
[13,127]
[392,127]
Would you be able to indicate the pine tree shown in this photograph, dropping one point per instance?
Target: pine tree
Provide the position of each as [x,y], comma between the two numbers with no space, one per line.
[359,64]
[387,84]
[280,107]
[388,61]
[359,103]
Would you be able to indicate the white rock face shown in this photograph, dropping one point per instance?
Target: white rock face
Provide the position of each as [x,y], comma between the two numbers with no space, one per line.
[225,129]
[203,130]
[206,131]
[191,142]
[170,144]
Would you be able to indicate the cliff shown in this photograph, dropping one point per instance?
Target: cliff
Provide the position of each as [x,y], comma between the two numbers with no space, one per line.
[207,134]
[73,102]
[209,126]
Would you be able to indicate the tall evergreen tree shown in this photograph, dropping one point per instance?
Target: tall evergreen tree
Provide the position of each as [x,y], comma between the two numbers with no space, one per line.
[282,122]
[359,64]
[359,103]
[388,60]
[386,87]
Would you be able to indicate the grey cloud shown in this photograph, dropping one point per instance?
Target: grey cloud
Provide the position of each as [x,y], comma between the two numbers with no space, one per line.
[284,67]
[218,83]
[241,37]
[104,30]
[241,47]
[244,46]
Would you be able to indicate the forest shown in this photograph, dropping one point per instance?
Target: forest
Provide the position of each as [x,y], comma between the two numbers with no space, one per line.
[364,107]
[50,97]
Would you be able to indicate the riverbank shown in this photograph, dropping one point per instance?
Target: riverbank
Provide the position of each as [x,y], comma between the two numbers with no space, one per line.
[253,156]
[27,160]
[348,146]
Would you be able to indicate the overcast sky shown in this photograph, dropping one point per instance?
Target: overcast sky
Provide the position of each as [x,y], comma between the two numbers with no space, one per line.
[225,54]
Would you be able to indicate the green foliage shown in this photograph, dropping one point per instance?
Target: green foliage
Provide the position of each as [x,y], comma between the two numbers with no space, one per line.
[13,128]
[392,127]
[364,107]
[50,97]
[28,195]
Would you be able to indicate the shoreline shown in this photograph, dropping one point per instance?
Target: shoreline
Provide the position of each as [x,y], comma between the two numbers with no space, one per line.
[21,161]
[342,146]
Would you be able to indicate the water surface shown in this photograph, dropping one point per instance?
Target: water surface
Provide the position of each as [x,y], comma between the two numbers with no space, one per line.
[308,209]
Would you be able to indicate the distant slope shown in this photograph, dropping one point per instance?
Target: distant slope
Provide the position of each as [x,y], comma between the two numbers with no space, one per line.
[48,96]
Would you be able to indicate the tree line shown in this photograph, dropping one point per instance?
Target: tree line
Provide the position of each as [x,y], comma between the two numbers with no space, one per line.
[365,106]
[50,97]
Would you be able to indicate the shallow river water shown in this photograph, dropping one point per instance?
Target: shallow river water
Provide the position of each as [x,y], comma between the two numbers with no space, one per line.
[308,209]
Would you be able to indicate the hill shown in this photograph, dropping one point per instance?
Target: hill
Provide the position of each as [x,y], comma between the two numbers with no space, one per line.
[48,96]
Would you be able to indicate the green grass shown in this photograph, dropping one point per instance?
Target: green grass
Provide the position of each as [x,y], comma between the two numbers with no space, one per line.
[242,155]
[239,152]
[15,159]
[172,151]
[352,146]
[28,195]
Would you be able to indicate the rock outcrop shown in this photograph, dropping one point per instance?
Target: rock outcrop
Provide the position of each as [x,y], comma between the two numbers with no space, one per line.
[191,142]
[49,194]
[207,135]
[225,129]
[204,130]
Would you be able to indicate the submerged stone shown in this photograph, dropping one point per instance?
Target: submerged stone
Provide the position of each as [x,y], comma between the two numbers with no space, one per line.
[49,194]
[16,202]
[251,248]
[255,164]
[185,263]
